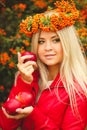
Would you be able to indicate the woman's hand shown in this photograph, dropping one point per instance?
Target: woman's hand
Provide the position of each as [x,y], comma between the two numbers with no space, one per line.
[26,69]
[22,113]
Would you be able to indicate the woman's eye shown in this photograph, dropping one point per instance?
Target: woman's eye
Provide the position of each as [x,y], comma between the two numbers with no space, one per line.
[41,42]
[56,40]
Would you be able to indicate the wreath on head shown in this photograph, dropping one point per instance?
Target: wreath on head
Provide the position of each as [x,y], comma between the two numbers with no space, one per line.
[63,15]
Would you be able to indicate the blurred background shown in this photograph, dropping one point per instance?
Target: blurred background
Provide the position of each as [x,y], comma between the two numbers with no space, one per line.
[11,41]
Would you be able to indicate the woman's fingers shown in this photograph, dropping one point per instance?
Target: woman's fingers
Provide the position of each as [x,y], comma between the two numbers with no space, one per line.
[26,69]
[19,58]
[18,116]
[26,110]
[6,114]
[21,63]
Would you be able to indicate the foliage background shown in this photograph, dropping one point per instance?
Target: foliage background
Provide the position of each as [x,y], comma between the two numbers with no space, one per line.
[11,41]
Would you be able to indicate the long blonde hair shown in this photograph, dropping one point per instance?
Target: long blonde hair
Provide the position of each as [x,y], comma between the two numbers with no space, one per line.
[73,70]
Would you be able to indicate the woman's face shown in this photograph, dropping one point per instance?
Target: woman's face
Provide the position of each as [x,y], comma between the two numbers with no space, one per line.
[50,49]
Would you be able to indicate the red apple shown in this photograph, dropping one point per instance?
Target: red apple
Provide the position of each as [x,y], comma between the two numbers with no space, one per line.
[33,58]
[11,106]
[23,99]
[26,98]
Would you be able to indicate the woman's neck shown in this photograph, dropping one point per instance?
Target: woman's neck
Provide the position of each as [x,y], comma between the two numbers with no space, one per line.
[53,71]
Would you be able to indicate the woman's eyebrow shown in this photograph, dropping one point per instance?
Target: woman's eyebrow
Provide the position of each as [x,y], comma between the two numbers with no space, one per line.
[41,38]
[56,36]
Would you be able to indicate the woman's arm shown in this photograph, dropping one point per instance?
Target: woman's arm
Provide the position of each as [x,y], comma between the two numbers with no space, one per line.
[40,120]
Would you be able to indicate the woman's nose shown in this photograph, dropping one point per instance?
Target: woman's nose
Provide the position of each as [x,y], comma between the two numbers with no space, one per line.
[48,45]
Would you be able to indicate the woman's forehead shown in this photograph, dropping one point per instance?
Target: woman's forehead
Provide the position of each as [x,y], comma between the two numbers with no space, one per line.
[47,34]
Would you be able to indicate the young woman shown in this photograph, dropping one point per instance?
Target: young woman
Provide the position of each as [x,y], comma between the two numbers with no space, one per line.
[61,102]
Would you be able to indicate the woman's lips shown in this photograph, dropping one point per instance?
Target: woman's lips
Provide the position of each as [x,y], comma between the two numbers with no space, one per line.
[50,56]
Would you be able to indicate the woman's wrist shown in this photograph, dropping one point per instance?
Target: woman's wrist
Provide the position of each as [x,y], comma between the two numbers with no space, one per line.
[27,79]
[28,82]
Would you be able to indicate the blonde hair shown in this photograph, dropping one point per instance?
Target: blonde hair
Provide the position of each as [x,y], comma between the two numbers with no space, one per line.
[42,68]
[73,70]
